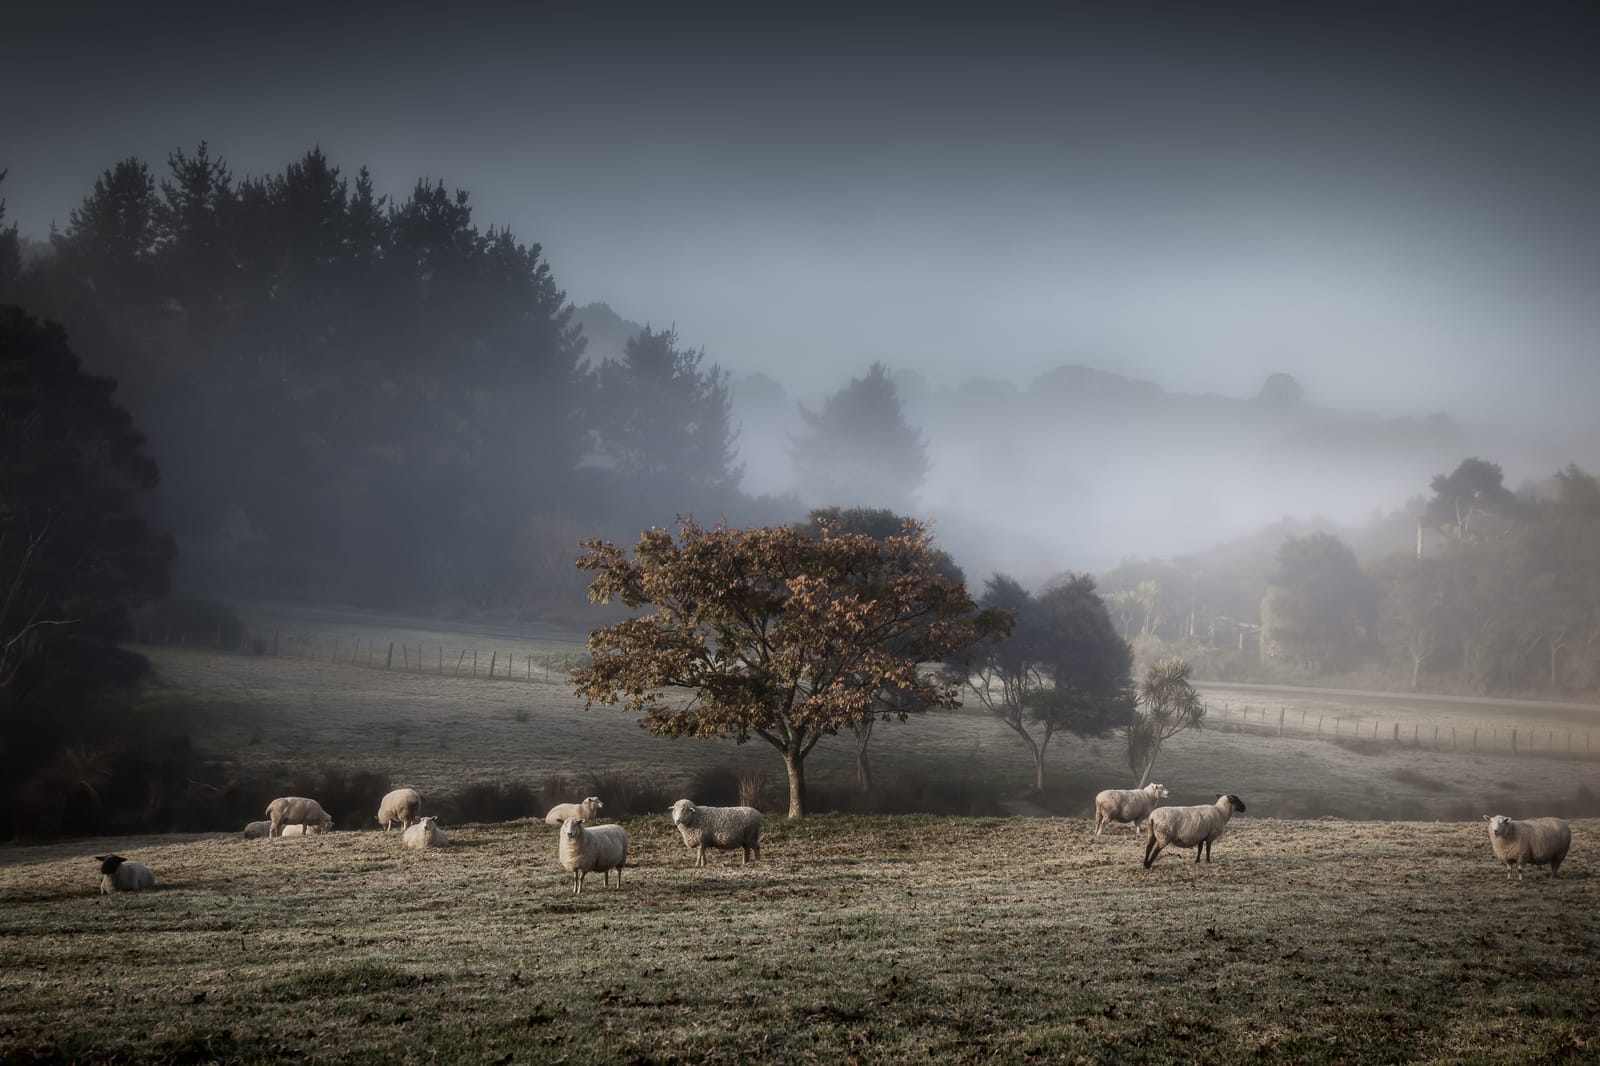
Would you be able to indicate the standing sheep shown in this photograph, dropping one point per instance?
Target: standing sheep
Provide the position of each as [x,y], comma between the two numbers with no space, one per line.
[1126,805]
[425,834]
[718,827]
[586,811]
[296,810]
[402,805]
[584,850]
[123,875]
[1534,842]
[1190,827]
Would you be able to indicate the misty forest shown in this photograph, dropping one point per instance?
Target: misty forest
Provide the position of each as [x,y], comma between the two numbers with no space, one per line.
[293,388]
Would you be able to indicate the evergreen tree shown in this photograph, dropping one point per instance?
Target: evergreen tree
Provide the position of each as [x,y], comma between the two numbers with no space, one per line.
[859,450]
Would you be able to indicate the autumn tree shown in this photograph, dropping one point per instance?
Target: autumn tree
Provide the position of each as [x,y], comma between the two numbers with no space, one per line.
[776,634]
[1167,705]
[1063,667]
[880,523]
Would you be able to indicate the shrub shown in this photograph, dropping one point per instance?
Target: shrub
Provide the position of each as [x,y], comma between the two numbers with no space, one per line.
[629,794]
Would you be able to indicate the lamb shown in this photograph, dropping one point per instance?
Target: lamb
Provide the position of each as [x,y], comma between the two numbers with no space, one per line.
[425,834]
[299,830]
[585,849]
[296,810]
[1126,805]
[718,827]
[402,805]
[1533,842]
[1190,827]
[123,875]
[586,811]
[257,830]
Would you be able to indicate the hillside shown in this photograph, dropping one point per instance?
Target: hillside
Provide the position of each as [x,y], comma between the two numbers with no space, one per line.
[867,939]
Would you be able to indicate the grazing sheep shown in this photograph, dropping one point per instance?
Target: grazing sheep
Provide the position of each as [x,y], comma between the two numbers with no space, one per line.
[1126,805]
[586,849]
[257,830]
[1534,842]
[123,875]
[718,827]
[296,810]
[586,811]
[299,830]
[402,805]
[425,834]
[1190,827]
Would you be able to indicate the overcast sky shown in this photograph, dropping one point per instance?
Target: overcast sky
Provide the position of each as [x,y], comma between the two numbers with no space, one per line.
[1395,203]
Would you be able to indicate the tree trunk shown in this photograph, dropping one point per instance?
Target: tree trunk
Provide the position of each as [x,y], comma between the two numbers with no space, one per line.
[863,767]
[796,762]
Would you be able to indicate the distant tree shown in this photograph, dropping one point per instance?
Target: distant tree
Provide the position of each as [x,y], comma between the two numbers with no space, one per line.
[1063,667]
[777,634]
[75,553]
[1319,604]
[1468,495]
[880,524]
[1281,391]
[1413,609]
[1167,705]
[112,235]
[859,449]
[666,420]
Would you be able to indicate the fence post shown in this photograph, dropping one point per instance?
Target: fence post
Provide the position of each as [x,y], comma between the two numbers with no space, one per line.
[389,661]
[1319,725]
[370,643]
[460,657]
[493,656]
[405,650]
[474,663]
[1280,721]
[530,668]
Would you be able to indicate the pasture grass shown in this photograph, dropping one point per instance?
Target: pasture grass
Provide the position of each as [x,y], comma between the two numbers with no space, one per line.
[870,939]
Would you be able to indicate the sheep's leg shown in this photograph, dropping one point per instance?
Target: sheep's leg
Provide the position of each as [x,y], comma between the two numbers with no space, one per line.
[1151,850]
[701,860]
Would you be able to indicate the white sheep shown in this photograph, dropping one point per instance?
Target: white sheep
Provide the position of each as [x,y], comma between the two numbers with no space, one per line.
[257,830]
[1189,827]
[402,805]
[123,875]
[586,811]
[1533,842]
[425,834]
[718,827]
[299,830]
[1126,805]
[585,849]
[296,810]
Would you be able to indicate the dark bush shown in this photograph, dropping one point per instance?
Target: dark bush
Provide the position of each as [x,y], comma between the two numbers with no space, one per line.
[627,794]
[486,802]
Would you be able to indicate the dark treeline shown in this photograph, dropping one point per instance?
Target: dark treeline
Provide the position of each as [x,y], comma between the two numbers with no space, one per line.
[369,401]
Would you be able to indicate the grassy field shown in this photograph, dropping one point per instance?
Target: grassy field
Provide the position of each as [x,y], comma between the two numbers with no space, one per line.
[868,939]
[438,732]
[1311,938]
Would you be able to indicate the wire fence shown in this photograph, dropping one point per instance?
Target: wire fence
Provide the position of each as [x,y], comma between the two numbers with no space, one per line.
[497,660]
[1309,724]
